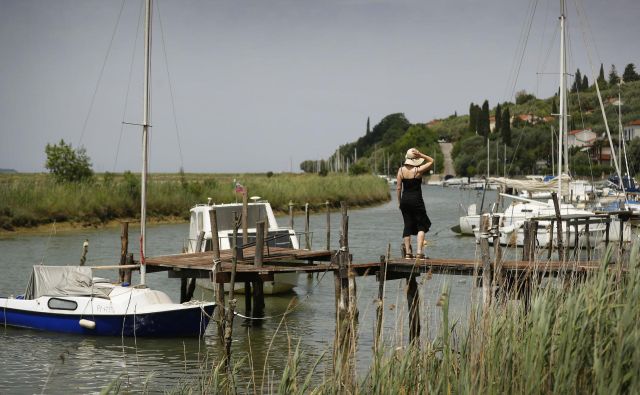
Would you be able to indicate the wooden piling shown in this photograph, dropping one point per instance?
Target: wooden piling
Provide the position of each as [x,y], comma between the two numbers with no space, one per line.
[382,271]
[486,260]
[413,299]
[328,243]
[556,206]
[124,249]
[217,287]
[290,214]
[307,239]
[231,308]
[258,286]
[497,253]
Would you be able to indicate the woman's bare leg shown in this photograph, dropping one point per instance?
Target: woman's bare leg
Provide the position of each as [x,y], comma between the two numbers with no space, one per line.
[407,244]
[420,242]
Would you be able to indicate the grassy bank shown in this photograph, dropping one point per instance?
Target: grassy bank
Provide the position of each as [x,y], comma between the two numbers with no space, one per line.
[577,337]
[29,200]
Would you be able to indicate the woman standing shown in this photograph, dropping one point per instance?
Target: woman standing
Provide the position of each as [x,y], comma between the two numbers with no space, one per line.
[416,221]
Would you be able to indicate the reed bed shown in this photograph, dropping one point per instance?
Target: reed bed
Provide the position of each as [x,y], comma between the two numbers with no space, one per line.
[29,200]
[577,336]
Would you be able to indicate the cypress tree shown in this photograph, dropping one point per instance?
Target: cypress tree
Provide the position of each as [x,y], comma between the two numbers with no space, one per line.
[613,75]
[368,127]
[472,117]
[554,107]
[506,126]
[602,82]
[585,83]
[577,83]
[498,119]
[483,121]
[630,73]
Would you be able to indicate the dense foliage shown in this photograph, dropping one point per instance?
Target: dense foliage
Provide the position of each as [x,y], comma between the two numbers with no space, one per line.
[67,164]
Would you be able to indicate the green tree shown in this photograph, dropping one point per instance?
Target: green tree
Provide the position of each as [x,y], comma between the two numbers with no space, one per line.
[613,75]
[483,121]
[585,83]
[602,82]
[368,126]
[506,126]
[554,107]
[630,73]
[473,117]
[577,83]
[67,164]
[498,119]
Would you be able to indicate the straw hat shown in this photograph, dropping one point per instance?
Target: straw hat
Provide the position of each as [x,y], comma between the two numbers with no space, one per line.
[411,159]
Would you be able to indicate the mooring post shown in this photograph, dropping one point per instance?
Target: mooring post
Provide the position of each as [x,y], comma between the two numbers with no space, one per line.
[413,299]
[218,287]
[550,242]
[328,243]
[245,241]
[556,206]
[85,249]
[307,239]
[497,253]
[342,285]
[228,327]
[124,248]
[127,272]
[486,260]
[290,214]
[258,286]
[587,239]
[380,302]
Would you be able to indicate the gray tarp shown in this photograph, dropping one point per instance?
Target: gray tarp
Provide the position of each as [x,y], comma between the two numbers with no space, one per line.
[62,281]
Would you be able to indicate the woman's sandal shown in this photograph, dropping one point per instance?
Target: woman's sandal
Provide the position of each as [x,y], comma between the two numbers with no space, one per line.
[419,255]
[408,256]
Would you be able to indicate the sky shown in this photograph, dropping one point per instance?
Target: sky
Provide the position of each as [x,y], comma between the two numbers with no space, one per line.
[257,86]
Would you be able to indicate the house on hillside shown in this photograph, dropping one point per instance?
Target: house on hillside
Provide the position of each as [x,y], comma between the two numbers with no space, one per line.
[581,138]
[526,118]
[631,130]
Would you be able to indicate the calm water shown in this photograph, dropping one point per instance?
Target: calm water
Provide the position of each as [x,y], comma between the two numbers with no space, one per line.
[36,362]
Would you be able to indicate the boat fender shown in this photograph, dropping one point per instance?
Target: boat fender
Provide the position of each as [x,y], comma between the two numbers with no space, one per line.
[88,324]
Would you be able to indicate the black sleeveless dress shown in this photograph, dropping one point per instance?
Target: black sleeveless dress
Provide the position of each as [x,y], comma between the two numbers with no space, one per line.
[412,207]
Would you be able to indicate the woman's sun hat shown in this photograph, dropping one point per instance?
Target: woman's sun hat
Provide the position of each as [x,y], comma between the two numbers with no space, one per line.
[411,159]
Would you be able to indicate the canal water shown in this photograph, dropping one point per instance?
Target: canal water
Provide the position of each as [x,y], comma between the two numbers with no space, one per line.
[38,362]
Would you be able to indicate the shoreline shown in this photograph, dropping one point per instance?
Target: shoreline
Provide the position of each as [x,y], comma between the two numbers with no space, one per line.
[74,226]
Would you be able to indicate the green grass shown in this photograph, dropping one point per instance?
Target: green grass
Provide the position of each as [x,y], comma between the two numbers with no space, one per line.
[28,200]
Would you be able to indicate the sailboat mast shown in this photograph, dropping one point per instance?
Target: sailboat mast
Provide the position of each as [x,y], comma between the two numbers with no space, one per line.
[563,100]
[145,140]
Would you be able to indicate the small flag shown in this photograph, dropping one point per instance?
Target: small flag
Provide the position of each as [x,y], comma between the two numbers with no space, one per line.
[239,188]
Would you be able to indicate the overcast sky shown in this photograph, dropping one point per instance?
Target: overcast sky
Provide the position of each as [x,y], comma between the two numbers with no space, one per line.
[262,85]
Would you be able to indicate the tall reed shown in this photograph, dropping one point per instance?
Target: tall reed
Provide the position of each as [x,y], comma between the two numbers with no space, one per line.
[28,200]
[578,336]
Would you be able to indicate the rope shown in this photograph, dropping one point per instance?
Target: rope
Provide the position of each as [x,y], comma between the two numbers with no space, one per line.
[104,63]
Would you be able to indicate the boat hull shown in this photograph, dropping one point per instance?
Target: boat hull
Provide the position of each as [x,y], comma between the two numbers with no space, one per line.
[183,322]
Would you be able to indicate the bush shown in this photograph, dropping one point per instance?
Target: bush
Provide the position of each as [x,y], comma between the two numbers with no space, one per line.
[67,164]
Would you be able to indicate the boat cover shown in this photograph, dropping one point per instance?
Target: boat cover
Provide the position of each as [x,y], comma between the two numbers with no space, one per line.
[63,281]
[532,185]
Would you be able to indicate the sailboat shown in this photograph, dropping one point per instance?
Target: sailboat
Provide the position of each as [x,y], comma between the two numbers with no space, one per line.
[523,209]
[69,299]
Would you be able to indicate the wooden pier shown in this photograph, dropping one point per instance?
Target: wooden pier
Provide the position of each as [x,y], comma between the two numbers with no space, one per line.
[254,263]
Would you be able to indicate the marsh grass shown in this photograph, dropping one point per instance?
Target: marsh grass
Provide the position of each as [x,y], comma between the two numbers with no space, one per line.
[28,200]
[578,336]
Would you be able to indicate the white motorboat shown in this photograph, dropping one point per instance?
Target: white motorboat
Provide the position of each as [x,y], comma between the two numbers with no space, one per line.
[257,211]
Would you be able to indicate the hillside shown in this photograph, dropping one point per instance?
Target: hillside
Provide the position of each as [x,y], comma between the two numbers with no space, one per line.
[527,145]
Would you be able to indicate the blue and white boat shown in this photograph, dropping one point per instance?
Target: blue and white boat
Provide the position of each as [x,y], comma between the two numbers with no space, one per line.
[68,299]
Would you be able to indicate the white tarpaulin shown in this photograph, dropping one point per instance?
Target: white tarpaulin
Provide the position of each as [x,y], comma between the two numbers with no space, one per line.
[62,281]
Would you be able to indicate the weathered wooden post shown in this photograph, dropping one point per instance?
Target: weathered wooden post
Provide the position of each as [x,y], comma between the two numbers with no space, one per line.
[231,309]
[290,214]
[328,244]
[556,206]
[382,272]
[218,287]
[124,250]
[587,239]
[307,239]
[413,299]
[497,253]
[486,260]
[258,286]
[245,241]
[343,309]
[85,250]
